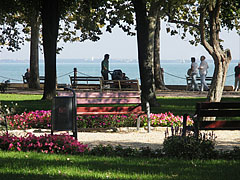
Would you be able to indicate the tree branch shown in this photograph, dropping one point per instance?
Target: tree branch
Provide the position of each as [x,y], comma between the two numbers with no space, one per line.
[204,42]
[182,22]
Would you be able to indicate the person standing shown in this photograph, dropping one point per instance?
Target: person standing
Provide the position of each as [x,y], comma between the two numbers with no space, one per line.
[203,73]
[237,77]
[194,68]
[105,67]
[27,75]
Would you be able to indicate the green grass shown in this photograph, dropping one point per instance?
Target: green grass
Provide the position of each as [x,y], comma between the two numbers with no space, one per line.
[30,165]
[25,102]
[181,105]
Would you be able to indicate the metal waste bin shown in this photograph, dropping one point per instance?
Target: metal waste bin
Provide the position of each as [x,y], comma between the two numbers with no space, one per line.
[64,113]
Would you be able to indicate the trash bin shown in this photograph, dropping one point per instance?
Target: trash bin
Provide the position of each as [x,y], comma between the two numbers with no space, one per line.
[64,113]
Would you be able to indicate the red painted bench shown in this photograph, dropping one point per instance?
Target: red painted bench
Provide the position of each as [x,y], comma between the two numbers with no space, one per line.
[215,109]
[108,103]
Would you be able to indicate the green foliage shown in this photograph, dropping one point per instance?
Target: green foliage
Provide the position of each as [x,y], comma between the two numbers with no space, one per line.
[189,147]
[187,16]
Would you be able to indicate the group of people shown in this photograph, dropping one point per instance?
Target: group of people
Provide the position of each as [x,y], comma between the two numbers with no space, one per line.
[202,69]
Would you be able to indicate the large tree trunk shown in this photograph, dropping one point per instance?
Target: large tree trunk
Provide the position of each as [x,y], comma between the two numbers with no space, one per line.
[211,41]
[145,37]
[50,21]
[158,71]
[34,57]
[219,76]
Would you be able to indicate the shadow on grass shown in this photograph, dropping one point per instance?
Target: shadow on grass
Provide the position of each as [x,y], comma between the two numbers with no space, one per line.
[182,105]
[29,105]
[39,166]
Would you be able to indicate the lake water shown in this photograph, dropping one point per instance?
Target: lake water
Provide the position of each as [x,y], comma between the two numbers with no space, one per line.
[174,72]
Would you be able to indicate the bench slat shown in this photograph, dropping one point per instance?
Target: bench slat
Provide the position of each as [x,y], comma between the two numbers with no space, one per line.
[213,125]
[101,94]
[109,113]
[218,105]
[110,110]
[218,113]
[109,101]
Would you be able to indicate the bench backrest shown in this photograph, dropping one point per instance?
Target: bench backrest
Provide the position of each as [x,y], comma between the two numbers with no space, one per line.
[105,97]
[218,109]
[108,102]
[131,85]
[76,79]
[41,79]
[207,79]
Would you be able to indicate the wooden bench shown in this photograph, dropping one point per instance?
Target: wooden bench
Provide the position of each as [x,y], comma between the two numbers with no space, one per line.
[108,103]
[224,110]
[4,85]
[121,85]
[41,79]
[198,80]
[85,82]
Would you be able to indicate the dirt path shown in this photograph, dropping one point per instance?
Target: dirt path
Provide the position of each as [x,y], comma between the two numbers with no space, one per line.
[154,139]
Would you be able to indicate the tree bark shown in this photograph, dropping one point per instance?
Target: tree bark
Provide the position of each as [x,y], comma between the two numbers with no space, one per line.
[219,76]
[34,49]
[50,22]
[158,71]
[145,38]
[221,58]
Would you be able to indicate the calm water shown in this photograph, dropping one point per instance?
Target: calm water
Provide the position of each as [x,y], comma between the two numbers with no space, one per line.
[175,72]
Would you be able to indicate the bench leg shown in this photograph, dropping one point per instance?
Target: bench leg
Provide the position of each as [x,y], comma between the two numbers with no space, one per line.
[138,123]
[196,128]
[148,116]
[184,125]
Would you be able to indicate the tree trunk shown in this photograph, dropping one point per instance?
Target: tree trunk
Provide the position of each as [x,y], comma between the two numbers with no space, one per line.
[50,22]
[145,38]
[219,77]
[211,41]
[158,71]
[34,57]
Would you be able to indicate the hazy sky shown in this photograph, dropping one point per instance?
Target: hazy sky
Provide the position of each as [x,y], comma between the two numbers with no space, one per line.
[121,46]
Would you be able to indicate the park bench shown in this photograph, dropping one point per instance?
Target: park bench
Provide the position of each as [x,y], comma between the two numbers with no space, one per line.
[4,85]
[121,85]
[86,82]
[41,79]
[224,110]
[198,80]
[108,103]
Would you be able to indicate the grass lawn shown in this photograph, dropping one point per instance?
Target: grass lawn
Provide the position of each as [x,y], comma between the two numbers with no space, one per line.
[25,102]
[31,165]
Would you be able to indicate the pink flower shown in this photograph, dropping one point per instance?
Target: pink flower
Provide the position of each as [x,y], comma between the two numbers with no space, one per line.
[10,146]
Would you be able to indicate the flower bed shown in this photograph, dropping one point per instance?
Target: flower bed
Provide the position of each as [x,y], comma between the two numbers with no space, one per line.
[64,144]
[32,119]
[42,119]
[166,119]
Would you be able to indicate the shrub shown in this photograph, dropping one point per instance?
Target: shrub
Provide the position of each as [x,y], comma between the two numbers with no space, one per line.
[121,151]
[63,143]
[189,147]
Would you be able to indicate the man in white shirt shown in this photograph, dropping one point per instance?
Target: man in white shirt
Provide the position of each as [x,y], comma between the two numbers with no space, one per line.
[203,73]
[194,68]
